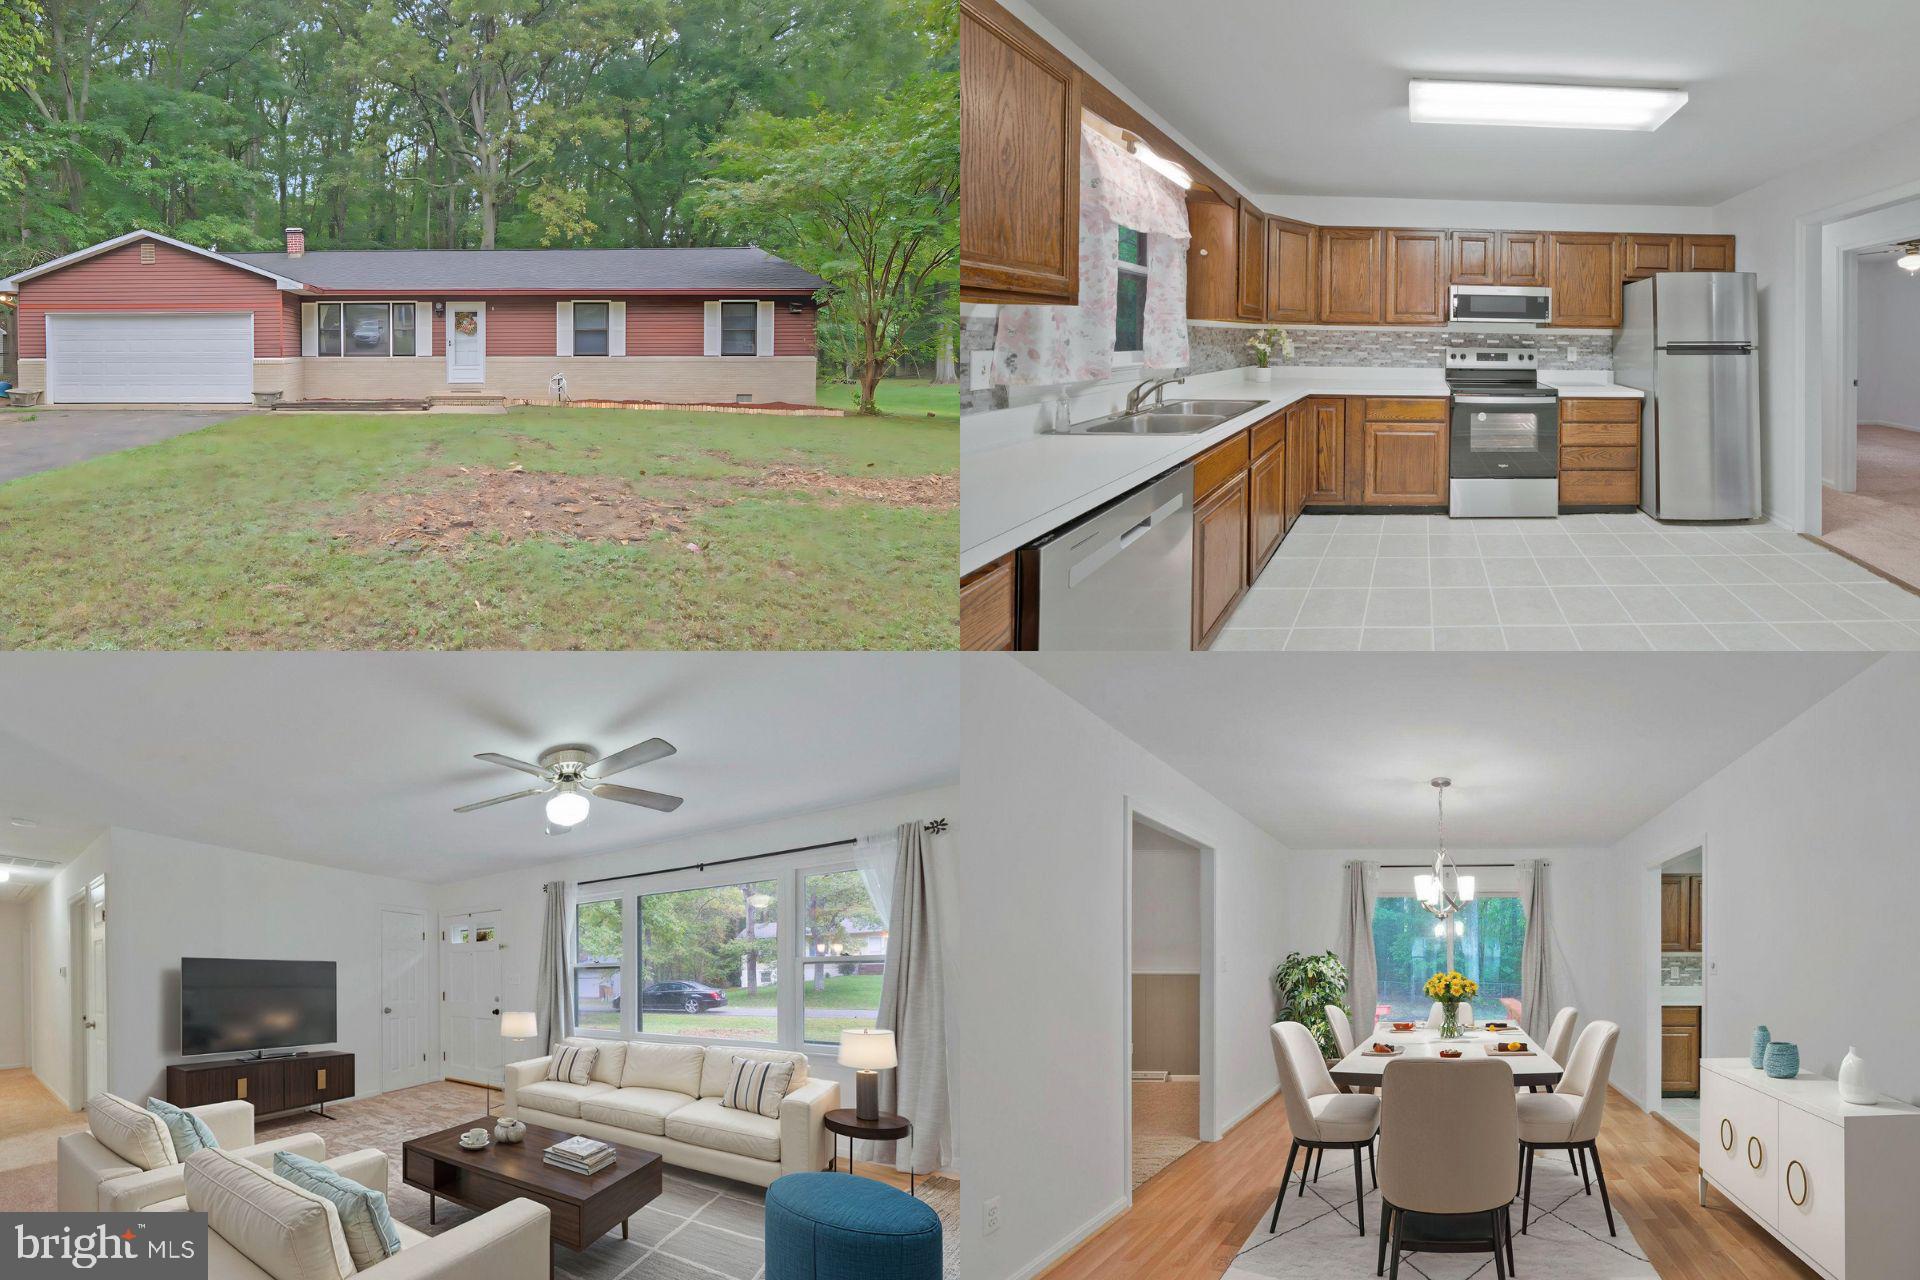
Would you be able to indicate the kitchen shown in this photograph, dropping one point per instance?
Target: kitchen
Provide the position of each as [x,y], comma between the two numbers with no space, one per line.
[1454,445]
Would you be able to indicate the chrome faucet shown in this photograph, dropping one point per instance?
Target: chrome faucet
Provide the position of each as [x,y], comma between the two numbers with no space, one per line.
[1155,387]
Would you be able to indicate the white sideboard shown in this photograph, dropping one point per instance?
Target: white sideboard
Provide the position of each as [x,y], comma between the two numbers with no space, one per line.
[1832,1181]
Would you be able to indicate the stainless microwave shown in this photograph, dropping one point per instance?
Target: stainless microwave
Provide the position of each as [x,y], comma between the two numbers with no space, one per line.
[1483,304]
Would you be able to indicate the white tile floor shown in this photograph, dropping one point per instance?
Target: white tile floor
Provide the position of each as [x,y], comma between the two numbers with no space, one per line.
[1684,1112]
[1573,582]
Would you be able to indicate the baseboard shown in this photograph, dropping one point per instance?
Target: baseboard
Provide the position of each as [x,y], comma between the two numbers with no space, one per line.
[1897,426]
[1234,1123]
[1183,1079]
[60,1094]
[1073,1240]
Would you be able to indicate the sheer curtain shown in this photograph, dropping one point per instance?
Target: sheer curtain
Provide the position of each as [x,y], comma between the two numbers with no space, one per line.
[913,1006]
[1538,979]
[876,855]
[1356,944]
[553,1005]
[1051,346]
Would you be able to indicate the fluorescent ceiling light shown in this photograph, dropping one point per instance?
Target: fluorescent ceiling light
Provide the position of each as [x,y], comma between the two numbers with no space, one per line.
[1541,106]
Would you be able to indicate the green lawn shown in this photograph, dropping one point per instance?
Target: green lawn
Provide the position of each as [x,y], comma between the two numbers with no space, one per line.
[911,397]
[228,538]
[849,991]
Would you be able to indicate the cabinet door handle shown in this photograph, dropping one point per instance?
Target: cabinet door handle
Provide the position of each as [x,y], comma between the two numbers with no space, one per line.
[1754,1161]
[1726,1135]
[1800,1199]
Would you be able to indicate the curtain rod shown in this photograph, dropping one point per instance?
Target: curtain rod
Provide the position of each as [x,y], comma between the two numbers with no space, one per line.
[935,827]
[1464,866]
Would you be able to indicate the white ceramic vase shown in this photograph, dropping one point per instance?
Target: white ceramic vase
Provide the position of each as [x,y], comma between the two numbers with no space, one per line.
[1262,374]
[1853,1081]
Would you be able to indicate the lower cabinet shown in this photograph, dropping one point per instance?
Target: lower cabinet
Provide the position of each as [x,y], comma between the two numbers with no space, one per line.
[1326,472]
[1599,452]
[1267,508]
[270,1084]
[1679,1051]
[987,606]
[1404,446]
[1219,556]
[1299,459]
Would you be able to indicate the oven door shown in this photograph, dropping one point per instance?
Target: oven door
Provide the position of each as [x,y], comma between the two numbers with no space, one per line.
[1498,437]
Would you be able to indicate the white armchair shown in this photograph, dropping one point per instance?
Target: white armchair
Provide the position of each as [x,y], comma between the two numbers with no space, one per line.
[91,1177]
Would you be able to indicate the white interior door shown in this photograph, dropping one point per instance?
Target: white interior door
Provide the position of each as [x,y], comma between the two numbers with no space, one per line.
[466,342]
[403,999]
[95,1024]
[470,997]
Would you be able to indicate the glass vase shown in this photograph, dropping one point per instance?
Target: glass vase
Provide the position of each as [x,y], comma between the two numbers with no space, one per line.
[1450,1020]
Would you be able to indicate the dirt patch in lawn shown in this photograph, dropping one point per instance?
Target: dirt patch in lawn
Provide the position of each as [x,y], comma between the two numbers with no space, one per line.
[938,492]
[443,507]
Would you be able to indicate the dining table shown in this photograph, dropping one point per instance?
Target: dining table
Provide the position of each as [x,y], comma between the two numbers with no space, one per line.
[1364,1069]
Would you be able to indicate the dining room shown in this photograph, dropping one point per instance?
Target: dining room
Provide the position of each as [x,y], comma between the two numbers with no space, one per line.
[1428,1046]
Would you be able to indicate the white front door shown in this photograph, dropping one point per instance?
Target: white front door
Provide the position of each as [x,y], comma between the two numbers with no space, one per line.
[403,999]
[470,997]
[466,342]
[96,1006]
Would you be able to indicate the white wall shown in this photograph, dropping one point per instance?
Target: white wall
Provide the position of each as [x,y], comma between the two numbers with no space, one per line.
[13,984]
[1042,1081]
[1810,854]
[1889,351]
[50,1001]
[1488,215]
[517,894]
[170,898]
[1166,904]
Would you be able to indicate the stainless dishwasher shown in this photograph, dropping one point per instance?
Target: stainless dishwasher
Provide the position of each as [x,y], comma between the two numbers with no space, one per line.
[1120,578]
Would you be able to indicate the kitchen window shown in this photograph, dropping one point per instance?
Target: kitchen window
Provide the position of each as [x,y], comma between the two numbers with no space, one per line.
[1407,950]
[1130,299]
[739,328]
[367,329]
[590,320]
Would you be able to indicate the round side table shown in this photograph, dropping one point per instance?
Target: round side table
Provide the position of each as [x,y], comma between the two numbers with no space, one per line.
[845,1121]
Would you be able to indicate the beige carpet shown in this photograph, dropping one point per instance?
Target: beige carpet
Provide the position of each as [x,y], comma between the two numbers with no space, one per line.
[31,1121]
[1879,523]
[1166,1124]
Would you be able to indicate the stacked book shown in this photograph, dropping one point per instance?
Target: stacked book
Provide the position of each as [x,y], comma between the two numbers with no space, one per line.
[582,1155]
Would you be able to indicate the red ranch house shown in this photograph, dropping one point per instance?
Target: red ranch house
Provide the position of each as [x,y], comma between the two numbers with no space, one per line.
[144,319]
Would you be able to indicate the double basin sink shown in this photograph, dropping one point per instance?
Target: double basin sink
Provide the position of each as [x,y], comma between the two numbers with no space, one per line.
[1174,418]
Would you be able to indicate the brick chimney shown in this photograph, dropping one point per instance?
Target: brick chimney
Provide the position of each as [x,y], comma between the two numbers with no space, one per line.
[296,242]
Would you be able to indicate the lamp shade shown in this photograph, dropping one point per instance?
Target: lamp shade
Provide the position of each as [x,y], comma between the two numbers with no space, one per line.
[868,1050]
[519,1026]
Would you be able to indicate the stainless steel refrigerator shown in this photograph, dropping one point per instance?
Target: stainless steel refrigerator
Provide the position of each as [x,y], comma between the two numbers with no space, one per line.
[1689,342]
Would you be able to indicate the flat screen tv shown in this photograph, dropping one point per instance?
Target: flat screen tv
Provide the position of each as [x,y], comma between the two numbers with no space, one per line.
[245,1006]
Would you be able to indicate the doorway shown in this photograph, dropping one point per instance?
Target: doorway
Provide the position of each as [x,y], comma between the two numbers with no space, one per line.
[1681,1015]
[1870,501]
[1169,996]
[470,997]
[87,961]
[466,342]
[403,999]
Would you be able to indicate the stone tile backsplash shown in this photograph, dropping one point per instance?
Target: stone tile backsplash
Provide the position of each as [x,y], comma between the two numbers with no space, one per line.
[1680,969]
[1218,347]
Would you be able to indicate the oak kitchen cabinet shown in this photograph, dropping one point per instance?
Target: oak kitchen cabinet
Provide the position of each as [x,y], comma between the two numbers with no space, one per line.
[1019,163]
[1584,270]
[1351,265]
[988,606]
[1416,291]
[1515,259]
[1679,1050]
[1599,452]
[1220,511]
[1250,299]
[1403,452]
[1213,260]
[1682,912]
[1266,493]
[1292,276]
[1642,256]
[1324,464]
[1706,253]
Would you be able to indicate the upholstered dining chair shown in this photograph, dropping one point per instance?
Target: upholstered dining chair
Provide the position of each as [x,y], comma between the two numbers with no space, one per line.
[1320,1116]
[1435,1014]
[1568,1119]
[1559,1039]
[1345,1039]
[1443,1178]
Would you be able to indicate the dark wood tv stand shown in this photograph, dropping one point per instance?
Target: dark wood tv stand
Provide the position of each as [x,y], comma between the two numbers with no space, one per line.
[270,1084]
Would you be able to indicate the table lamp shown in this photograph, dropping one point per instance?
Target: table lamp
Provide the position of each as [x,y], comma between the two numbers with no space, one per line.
[868,1052]
[519,1028]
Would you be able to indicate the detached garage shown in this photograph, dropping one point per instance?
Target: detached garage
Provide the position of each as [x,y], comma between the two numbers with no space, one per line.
[150,358]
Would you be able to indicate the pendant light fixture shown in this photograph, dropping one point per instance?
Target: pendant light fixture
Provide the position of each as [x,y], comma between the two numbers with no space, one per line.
[1444,892]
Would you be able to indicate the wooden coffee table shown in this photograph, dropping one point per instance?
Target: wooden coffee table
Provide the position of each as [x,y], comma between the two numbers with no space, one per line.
[584,1206]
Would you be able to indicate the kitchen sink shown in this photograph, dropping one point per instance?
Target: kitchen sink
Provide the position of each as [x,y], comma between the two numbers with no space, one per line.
[1175,418]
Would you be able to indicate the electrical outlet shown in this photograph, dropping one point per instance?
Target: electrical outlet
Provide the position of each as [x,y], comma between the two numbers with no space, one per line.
[1570,354]
[980,370]
[992,1223]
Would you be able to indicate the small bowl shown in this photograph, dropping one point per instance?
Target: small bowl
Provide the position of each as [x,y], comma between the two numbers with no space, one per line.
[1403,1026]
[1449,1053]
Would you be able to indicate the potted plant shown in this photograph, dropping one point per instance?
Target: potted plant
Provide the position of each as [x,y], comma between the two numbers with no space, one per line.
[1306,985]
[1450,988]
[1263,343]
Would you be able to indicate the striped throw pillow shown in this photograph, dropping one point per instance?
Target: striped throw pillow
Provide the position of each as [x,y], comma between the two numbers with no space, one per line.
[572,1063]
[757,1086]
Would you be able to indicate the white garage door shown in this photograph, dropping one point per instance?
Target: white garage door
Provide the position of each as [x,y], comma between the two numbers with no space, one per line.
[180,357]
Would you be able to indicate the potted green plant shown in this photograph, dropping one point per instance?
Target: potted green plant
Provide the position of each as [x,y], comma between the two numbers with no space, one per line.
[1306,985]
[1263,344]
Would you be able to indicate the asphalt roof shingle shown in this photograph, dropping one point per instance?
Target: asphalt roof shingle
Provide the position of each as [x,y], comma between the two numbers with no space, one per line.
[718,270]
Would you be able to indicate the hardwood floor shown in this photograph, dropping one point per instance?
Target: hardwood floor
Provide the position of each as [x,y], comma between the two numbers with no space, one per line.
[1188,1222]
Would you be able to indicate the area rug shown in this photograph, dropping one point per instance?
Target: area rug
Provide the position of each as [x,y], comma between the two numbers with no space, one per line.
[1879,523]
[1567,1239]
[1166,1124]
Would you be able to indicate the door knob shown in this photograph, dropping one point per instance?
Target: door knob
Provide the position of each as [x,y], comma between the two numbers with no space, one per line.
[388,1009]
[496,1012]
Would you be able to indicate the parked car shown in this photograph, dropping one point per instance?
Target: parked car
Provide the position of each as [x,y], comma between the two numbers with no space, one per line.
[688,997]
[369,332]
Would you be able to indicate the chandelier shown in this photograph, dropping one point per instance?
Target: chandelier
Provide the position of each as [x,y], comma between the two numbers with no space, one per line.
[1444,892]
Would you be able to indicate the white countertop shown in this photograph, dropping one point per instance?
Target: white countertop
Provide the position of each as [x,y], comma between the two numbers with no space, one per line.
[1812,1093]
[1017,484]
[1682,996]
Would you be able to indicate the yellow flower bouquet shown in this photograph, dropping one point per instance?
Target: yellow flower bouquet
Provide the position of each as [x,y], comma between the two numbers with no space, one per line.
[1450,988]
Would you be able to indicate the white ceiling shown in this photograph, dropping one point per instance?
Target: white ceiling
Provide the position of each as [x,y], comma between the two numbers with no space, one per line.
[1305,97]
[358,760]
[1545,751]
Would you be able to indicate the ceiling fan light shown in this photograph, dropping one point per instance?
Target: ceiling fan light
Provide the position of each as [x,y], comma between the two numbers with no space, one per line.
[1908,261]
[567,807]
[5,875]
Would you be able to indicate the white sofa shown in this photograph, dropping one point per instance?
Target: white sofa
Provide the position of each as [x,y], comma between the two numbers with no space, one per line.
[666,1098]
[511,1242]
[91,1177]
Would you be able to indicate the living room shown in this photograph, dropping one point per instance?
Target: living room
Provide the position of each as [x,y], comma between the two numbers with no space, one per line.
[247,886]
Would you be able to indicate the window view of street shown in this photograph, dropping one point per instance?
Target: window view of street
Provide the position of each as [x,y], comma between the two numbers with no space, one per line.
[1409,947]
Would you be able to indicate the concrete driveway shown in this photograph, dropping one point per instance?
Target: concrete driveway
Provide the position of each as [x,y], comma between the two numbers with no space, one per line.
[61,437]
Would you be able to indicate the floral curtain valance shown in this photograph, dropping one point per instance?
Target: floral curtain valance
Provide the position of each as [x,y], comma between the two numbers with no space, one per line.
[1130,194]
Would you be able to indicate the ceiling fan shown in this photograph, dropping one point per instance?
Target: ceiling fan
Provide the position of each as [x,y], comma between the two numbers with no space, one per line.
[1909,251]
[565,771]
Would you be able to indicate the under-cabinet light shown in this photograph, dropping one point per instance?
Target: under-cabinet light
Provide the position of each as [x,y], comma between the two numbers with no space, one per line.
[1541,106]
[1161,165]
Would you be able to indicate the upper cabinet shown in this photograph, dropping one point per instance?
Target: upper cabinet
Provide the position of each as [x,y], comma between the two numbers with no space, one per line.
[1213,260]
[1706,253]
[1585,275]
[1291,276]
[1350,274]
[1476,257]
[1513,258]
[1019,163]
[1523,259]
[1643,256]
[1250,298]
[1416,277]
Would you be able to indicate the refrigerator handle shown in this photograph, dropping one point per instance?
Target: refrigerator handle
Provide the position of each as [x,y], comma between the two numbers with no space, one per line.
[1707,348]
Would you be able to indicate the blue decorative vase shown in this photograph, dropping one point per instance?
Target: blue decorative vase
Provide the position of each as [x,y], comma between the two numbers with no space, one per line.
[1783,1060]
[1759,1055]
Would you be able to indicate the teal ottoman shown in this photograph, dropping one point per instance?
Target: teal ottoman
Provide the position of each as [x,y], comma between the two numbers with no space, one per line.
[836,1226]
